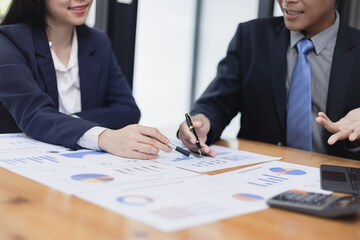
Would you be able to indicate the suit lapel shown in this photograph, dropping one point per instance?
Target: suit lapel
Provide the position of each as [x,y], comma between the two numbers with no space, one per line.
[89,70]
[45,63]
[341,70]
[278,48]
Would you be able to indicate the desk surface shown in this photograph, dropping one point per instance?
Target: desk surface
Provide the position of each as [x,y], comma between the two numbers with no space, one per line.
[30,210]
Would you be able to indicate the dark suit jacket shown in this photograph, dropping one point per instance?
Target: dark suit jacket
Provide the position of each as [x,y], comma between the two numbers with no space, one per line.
[251,80]
[28,89]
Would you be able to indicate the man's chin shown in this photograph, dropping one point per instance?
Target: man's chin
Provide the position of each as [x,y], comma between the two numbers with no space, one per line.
[294,26]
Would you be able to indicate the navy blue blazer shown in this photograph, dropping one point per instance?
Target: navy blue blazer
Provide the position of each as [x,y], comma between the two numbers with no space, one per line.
[251,80]
[28,88]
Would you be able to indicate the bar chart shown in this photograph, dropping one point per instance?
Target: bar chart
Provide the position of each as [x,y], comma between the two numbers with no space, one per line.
[28,160]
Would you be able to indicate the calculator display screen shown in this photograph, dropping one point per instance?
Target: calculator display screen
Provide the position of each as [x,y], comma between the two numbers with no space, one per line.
[333,176]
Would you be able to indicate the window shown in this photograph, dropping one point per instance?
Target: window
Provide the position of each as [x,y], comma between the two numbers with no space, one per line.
[4,4]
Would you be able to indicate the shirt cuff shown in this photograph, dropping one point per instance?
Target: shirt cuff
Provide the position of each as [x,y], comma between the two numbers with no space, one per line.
[74,116]
[90,139]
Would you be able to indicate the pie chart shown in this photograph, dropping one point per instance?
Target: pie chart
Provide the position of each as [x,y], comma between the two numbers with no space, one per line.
[287,171]
[92,178]
[135,200]
[248,197]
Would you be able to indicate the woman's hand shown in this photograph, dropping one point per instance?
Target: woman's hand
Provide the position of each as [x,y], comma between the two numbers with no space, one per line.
[134,141]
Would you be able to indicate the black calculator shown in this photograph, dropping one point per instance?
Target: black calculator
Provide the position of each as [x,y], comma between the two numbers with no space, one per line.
[318,204]
[340,179]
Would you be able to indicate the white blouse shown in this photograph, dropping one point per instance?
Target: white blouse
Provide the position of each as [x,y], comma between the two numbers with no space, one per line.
[68,84]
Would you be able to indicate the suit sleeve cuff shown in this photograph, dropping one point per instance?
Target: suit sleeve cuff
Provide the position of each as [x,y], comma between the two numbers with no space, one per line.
[352,147]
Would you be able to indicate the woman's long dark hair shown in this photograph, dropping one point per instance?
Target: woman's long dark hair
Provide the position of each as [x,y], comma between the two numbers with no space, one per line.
[31,12]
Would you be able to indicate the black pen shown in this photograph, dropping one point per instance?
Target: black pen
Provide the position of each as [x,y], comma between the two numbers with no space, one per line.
[176,148]
[179,149]
[191,127]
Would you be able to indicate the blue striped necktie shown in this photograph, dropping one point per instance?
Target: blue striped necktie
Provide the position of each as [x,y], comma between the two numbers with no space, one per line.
[298,130]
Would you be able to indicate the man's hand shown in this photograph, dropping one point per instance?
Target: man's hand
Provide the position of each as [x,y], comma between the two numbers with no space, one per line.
[201,125]
[134,141]
[347,127]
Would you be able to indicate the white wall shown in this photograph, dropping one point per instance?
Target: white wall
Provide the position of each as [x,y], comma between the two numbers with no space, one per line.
[164,52]
[163,61]
[218,26]
[90,21]
[277,10]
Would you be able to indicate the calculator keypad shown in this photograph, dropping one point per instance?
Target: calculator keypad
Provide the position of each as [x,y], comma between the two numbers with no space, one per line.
[354,174]
[319,204]
[303,197]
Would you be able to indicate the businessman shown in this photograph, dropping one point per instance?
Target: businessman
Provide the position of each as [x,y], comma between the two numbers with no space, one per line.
[279,73]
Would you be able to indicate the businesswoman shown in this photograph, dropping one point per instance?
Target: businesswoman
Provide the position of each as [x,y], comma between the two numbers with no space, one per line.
[60,83]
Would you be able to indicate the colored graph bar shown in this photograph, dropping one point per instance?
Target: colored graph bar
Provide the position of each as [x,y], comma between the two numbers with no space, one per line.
[5,161]
[267,175]
[279,180]
[153,166]
[140,169]
[11,161]
[274,179]
[182,159]
[81,154]
[123,172]
[50,159]
[129,170]
[34,159]
[21,160]
[150,169]
[266,180]
[256,184]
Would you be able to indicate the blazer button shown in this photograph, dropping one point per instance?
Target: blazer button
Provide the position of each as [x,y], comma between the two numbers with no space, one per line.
[280,144]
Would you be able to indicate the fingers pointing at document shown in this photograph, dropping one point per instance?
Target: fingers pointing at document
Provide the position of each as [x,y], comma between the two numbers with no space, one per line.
[134,141]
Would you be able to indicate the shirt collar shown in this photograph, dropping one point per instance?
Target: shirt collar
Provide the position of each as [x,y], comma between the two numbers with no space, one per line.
[73,61]
[320,40]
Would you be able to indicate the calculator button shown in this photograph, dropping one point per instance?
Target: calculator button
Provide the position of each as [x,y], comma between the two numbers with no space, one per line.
[298,191]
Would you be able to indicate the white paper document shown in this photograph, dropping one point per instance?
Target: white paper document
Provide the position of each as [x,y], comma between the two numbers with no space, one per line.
[274,176]
[74,179]
[160,193]
[18,141]
[225,158]
[176,205]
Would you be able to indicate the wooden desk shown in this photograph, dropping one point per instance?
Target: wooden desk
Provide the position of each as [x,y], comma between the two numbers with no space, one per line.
[29,210]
